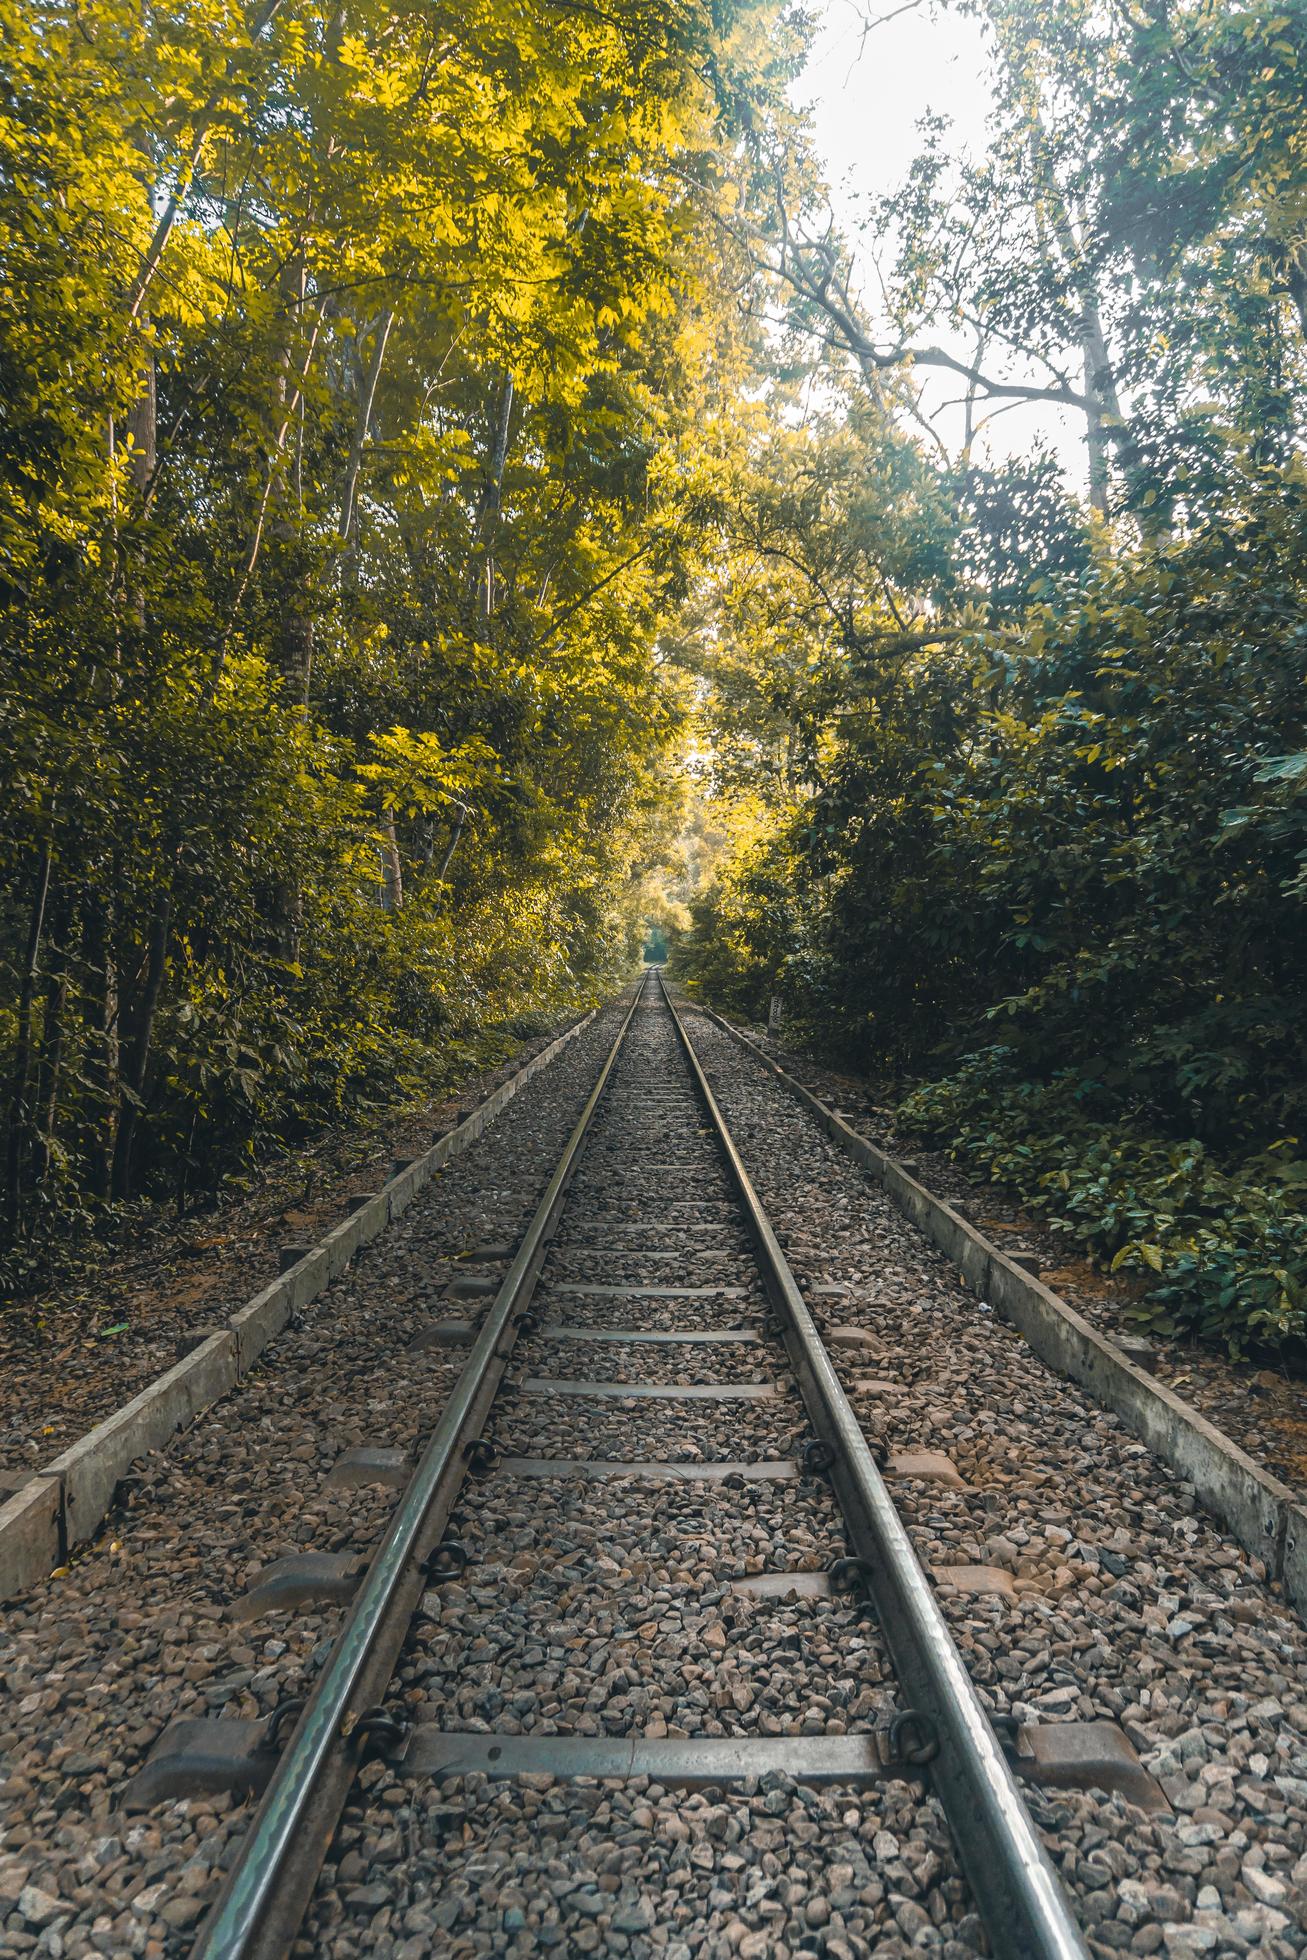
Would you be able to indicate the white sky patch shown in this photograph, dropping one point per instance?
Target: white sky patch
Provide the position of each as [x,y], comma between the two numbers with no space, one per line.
[867,92]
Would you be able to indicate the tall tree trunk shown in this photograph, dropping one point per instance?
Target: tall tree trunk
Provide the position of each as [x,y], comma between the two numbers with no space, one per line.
[102,1060]
[136,1068]
[294,637]
[481,570]
[272,473]
[452,845]
[362,423]
[1097,371]
[294,634]
[500,455]
[143,427]
[392,891]
[128,569]
[1106,428]
[20,1125]
[54,1014]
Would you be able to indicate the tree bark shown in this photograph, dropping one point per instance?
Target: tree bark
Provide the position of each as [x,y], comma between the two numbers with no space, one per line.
[1108,427]
[1105,422]
[138,1048]
[294,635]
[482,569]
[500,456]
[103,1044]
[452,845]
[274,464]
[143,427]
[362,423]
[53,1037]
[19,1118]
[392,891]
[1097,370]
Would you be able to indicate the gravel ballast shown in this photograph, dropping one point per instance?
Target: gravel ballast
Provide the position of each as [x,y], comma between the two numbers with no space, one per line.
[611,1606]
[134,1633]
[1130,1605]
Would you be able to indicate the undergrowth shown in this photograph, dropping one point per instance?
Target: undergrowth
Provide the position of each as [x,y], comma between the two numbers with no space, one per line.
[1221,1246]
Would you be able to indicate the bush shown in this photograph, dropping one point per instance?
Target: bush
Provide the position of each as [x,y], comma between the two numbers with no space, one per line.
[1224,1248]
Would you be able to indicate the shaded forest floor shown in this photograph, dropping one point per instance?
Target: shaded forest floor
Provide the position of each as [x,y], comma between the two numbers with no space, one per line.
[1260,1403]
[117,1317]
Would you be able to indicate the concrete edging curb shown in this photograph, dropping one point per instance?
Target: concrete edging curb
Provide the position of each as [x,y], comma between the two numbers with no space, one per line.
[29,1534]
[66,1501]
[1262,1513]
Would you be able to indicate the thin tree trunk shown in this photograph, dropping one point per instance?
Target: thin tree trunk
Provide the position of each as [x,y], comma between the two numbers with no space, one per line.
[1095,356]
[138,1048]
[481,573]
[362,423]
[19,1119]
[500,456]
[452,846]
[295,630]
[269,483]
[393,886]
[142,427]
[53,1036]
[495,501]
[103,1046]
[1105,423]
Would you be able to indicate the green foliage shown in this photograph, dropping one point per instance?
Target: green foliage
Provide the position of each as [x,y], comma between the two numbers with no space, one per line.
[1064,872]
[1035,831]
[1221,1248]
[364,371]
[411,422]
[1060,870]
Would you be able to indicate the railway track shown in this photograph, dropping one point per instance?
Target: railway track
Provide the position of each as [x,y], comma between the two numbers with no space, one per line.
[597,1623]
[648,1260]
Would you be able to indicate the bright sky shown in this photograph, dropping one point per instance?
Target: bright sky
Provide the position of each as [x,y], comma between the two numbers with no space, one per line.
[868,92]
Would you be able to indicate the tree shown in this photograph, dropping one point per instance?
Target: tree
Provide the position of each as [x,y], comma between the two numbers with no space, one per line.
[363,372]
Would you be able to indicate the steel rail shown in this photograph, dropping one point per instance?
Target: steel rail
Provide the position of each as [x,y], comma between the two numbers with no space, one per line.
[257,1914]
[1017,1891]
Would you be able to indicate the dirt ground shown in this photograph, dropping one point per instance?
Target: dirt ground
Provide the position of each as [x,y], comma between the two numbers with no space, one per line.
[81,1350]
